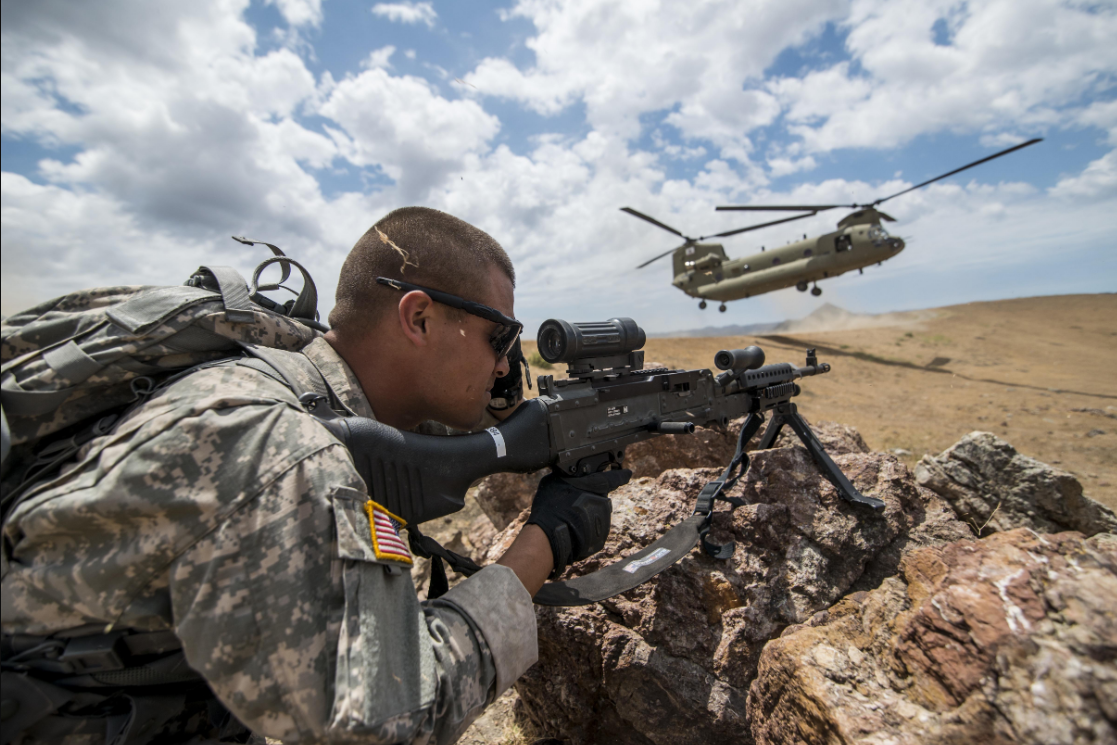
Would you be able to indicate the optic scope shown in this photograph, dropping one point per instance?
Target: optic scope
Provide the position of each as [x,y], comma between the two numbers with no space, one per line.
[561,341]
[748,358]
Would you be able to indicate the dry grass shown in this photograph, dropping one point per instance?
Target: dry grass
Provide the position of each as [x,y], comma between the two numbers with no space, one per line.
[1038,372]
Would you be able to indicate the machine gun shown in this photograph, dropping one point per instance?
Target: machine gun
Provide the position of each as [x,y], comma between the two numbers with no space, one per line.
[583,424]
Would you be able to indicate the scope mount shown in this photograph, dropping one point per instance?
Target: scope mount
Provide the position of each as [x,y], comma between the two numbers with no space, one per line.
[594,368]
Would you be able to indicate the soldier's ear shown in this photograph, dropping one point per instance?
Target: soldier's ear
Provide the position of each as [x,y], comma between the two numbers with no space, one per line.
[415,314]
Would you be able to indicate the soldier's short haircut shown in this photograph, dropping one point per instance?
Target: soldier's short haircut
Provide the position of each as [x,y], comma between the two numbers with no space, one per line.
[419,245]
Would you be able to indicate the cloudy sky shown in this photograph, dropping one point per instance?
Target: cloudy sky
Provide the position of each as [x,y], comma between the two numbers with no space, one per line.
[138,136]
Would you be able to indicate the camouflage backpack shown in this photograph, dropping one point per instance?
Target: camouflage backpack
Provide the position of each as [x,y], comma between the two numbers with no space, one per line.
[71,365]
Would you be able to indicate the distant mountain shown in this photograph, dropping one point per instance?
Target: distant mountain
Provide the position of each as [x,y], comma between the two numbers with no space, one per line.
[826,317]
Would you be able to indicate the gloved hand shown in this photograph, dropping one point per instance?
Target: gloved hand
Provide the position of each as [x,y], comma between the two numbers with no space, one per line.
[575,513]
[508,391]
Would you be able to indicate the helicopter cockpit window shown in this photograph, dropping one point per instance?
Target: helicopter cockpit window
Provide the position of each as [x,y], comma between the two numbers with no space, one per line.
[877,234]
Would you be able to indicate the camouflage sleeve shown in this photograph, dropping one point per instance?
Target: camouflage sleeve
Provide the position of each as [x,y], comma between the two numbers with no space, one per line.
[308,637]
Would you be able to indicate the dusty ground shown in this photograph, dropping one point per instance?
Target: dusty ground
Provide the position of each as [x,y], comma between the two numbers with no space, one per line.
[1039,372]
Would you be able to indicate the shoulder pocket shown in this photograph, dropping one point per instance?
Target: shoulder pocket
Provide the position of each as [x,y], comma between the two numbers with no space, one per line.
[366,531]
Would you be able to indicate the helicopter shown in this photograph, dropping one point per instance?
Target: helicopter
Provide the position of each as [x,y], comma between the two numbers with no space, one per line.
[704,271]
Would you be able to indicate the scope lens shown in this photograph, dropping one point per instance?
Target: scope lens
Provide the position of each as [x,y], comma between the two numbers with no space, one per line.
[552,342]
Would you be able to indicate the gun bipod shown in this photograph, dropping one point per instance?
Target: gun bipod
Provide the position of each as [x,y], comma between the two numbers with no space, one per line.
[714,491]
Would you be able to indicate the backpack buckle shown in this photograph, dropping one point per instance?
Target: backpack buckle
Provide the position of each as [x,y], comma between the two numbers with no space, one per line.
[96,654]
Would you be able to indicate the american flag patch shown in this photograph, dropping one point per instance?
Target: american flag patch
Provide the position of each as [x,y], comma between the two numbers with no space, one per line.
[386,541]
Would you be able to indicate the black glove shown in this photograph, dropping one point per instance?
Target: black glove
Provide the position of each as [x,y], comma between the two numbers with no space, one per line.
[509,390]
[575,513]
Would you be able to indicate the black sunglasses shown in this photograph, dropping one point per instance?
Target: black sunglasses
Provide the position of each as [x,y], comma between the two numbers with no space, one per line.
[504,337]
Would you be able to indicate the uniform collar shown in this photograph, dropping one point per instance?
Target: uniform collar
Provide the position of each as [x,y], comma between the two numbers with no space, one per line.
[339,376]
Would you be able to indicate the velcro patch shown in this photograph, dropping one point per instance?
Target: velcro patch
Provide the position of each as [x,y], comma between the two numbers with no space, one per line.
[386,540]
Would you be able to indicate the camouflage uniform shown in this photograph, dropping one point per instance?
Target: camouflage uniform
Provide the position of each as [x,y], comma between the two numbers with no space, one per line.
[220,510]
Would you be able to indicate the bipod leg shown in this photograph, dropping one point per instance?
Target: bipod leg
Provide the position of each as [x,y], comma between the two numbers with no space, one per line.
[768,439]
[826,466]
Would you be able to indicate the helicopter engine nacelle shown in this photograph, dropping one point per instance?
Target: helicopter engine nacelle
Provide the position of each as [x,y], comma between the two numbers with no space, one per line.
[707,263]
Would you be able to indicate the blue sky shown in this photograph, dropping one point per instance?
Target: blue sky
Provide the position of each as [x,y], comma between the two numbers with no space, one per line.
[137,137]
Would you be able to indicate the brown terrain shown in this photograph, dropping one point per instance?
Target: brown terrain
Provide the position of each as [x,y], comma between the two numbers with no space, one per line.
[1039,372]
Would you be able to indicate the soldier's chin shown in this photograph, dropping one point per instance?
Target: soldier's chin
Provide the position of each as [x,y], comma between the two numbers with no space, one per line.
[468,421]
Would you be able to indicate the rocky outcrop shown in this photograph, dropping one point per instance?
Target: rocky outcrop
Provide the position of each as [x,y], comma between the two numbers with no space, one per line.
[1010,639]
[504,495]
[995,488]
[672,660]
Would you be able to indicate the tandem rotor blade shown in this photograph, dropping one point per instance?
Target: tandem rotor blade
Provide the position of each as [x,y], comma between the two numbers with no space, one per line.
[657,258]
[781,208]
[959,170]
[757,227]
[655,222]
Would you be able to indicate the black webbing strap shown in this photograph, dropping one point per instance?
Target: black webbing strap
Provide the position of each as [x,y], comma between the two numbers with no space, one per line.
[429,548]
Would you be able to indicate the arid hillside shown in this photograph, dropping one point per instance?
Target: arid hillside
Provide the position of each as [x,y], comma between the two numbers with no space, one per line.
[1039,372]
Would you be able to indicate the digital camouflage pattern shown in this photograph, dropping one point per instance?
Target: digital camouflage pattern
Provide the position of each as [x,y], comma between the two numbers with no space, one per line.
[116,335]
[220,510]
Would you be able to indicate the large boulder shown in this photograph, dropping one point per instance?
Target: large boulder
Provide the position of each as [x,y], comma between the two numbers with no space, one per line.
[994,488]
[671,661]
[504,495]
[1010,639]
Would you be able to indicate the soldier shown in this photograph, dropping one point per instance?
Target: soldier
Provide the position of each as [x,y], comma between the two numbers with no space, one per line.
[221,518]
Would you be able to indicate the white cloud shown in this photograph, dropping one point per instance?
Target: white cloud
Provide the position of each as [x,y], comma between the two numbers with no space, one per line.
[787,166]
[379,58]
[1013,65]
[186,133]
[299,12]
[1103,115]
[624,60]
[405,126]
[1097,181]
[407,12]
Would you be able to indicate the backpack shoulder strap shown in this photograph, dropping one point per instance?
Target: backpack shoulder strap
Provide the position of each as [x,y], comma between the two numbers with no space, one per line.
[292,369]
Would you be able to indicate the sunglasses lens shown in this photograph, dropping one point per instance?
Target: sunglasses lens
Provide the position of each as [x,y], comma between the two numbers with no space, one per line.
[503,340]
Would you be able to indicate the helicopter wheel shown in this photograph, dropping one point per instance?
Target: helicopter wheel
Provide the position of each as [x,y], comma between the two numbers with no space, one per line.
[816,290]
[801,287]
[702,305]
[722,307]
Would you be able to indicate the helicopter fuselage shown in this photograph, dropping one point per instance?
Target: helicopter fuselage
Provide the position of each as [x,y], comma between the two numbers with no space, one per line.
[704,271]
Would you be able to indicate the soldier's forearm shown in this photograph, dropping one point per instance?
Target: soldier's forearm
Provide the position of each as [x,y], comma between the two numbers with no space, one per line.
[530,558]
